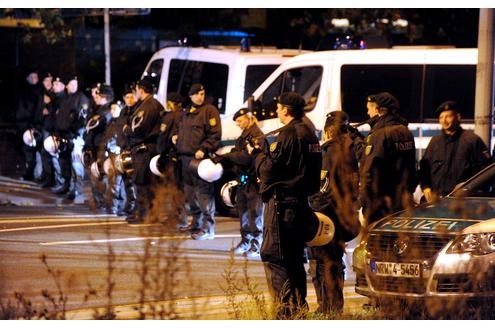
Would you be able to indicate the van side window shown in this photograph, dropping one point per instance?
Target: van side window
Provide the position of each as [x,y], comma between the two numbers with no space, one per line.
[255,75]
[154,71]
[183,73]
[449,82]
[360,81]
[304,80]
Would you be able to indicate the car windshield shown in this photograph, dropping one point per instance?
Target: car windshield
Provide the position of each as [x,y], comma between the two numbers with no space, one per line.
[481,185]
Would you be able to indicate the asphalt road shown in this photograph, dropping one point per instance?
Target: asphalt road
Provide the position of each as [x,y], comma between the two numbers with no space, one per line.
[61,255]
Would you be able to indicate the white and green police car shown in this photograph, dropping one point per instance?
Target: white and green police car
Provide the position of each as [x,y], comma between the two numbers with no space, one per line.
[441,255]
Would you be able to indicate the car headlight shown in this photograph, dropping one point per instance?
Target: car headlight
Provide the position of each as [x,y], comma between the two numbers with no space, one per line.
[474,243]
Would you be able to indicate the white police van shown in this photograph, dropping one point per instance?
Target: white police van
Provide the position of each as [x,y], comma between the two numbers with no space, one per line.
[229,75]
[420,77]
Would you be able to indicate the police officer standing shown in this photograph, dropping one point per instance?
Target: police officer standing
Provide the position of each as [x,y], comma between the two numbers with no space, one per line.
[451,157]
[289,173]
[198,137]
[248,199]
[338,199]
[94,148]
[142,133]
[130,102]
[28,117]
[388,171]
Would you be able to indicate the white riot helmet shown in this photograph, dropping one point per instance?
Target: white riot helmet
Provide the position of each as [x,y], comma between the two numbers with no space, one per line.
[228,192]
[154,166]
[31,137]
[108,167]
[123,162]
[207,170]
[320,230]
[51,145]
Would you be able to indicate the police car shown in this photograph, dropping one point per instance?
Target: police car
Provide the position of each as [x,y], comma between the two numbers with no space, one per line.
[440,255]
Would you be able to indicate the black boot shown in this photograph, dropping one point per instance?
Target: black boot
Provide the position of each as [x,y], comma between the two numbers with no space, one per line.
[61,189]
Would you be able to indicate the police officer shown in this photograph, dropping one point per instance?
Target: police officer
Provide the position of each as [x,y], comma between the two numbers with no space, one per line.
[94,148]
[130,102]
[289,173]
[115,193]
[248,199]
[451,157]
[60,158]
[142,133]
[168,152]
[338,199]
[48,115]
[77,105]
[198,137]
[388,171]
[28,116]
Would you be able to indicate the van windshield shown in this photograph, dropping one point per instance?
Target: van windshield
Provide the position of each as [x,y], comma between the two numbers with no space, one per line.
[183,73]
[304,80]
[255,75]
[154,71]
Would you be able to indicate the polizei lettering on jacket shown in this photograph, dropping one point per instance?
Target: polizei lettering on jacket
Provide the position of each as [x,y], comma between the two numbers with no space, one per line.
[423,224]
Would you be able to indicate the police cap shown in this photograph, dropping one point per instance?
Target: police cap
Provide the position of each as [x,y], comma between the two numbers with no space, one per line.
[385,99]
[59,79]
[338,118]
[292,99]
[174,97]
[240,112]
[46,75]
[448,105]
[70,78]
[105,90]
[195,88]
[146,84]
[128,89]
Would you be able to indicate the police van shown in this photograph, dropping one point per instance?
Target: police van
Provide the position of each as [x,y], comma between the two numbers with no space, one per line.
[229,75]
[420,77]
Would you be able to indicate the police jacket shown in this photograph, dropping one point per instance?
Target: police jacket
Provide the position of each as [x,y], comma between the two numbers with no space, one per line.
[169,124]
[244,163]
[199,129]
[28,113]
[293,164]
[95,128]
[389,164]
[110,137]
[145,123]
[70,116]
[451,159]
[123,120]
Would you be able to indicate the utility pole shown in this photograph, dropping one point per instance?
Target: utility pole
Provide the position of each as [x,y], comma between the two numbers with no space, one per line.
[106,21]
[483,108]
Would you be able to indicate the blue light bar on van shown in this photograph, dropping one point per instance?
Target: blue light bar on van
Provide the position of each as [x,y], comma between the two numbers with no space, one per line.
[238,34]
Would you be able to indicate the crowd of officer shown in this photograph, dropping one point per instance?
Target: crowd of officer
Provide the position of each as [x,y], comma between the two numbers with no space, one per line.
[289,192]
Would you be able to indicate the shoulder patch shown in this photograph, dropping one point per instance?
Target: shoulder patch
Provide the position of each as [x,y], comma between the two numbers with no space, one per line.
[368,150]
[273,146]
[323,174]
[163,127]
[213,121]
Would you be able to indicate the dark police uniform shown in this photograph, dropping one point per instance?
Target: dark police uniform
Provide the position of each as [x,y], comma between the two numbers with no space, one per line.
[94,149]
[338,199]
[28,116]
[142,134]
[248,199]
[388,171]
[199,129]
[451,159]
[123,143]
[289,173]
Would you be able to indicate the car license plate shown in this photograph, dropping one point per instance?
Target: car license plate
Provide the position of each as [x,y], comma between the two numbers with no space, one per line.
[392,269]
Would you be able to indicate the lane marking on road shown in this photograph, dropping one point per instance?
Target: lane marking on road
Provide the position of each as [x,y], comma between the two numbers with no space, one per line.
[60,226]
[117,240]
[58,218]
